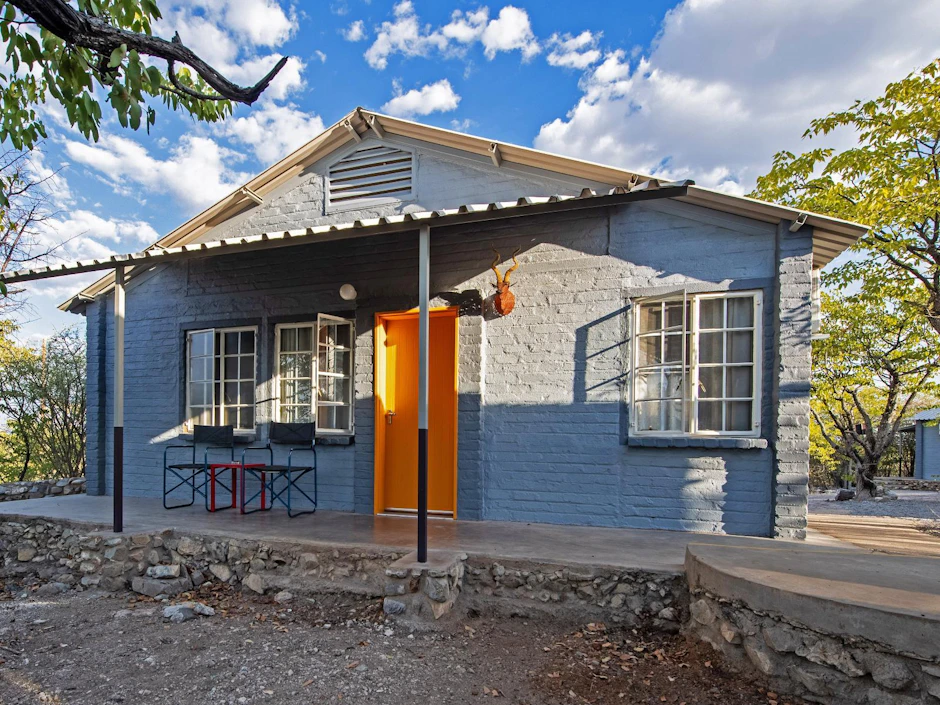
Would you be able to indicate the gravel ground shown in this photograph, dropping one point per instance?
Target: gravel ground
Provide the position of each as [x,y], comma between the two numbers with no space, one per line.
[910,504]
[93,649]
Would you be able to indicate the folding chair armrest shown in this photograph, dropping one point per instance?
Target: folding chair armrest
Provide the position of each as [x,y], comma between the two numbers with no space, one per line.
[166,449]
[267,448]
[308,449]
[228,448]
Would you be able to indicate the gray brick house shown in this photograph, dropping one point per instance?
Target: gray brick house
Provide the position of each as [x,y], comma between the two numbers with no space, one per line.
[653,374]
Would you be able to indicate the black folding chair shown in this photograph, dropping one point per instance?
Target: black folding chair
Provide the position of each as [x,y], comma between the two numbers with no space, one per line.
[282,434]
[194,475]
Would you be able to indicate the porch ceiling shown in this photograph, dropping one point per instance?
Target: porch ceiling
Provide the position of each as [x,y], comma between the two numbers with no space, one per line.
[462,215]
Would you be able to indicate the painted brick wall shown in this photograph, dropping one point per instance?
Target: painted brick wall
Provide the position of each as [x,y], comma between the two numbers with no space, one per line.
[542,392]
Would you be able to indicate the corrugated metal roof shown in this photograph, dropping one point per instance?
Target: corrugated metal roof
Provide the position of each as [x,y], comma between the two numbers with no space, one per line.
[928,415]
[469,213]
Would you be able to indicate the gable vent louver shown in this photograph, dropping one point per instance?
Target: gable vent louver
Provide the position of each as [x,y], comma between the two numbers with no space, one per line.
[371,172]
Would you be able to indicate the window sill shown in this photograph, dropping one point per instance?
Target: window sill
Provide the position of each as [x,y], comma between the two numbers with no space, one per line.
[240,437]
[337,440]
[713,443]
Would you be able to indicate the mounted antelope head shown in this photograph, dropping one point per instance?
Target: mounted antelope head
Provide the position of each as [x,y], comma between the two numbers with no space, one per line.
[504,300]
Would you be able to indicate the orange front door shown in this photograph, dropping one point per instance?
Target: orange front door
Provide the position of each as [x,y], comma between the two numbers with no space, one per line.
[397,412]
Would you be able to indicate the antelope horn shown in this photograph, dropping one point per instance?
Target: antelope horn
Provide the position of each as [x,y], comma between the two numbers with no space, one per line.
[499,277]
[514,267]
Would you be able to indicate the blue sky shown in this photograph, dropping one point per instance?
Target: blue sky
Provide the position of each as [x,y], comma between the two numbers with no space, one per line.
[704,89]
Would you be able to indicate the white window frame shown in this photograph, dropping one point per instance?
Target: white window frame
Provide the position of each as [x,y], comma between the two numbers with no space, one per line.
[692,301]
[315,372]
[216,408]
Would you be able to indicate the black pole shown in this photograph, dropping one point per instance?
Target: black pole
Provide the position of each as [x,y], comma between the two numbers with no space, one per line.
[422,495]
[118,479]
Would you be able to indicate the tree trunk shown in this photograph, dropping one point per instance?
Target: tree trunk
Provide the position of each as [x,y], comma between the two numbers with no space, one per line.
[865,487]
[25,460]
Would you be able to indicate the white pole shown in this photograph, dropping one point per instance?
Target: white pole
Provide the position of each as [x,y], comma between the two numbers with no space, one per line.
[424,266]
[119,399]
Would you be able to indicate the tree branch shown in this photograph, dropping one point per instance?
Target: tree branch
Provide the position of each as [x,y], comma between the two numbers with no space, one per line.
[89,32]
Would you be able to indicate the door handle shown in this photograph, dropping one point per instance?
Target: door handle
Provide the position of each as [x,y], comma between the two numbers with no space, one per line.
[389,415]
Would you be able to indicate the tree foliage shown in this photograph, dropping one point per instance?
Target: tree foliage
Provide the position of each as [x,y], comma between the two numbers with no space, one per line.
[877,358]
[42,396]
[889,180]
[103,51]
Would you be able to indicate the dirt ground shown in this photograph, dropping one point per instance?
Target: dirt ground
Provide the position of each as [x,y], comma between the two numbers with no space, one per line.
[94,649]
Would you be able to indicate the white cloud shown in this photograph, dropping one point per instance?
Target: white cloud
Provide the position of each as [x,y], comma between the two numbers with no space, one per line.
[462,125]
[405,34]
[273,131]
[320,55]
[356,32]
[197,172]
[436,97]
[511,30]
[724,88]
[466,27]
[576,52]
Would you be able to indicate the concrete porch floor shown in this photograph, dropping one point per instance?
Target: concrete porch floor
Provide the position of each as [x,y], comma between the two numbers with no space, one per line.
[655,551]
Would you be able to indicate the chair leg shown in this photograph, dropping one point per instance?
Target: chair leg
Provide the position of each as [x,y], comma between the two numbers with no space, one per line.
[291,482]
[183,481]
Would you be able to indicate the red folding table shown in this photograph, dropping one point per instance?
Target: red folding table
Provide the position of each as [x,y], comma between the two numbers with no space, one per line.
[234,467]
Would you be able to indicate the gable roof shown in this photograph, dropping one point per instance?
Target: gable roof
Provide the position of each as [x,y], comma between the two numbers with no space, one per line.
[831,236]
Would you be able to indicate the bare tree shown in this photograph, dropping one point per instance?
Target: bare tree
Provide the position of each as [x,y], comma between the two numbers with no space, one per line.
[25,205]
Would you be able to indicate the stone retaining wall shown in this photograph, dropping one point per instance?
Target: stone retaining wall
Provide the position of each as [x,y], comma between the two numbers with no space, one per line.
[85,557]
[79,556]
[41,488]
[909,483]
[616,594]
[818,667]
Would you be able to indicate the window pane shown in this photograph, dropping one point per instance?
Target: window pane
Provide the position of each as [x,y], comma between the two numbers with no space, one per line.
[650,350]
[334,360]
[740,381]
[709,415]
[739,415]
[288,392]
[246,392]
[674,314]
[673,348]
[741,346]
[199,369]
[305,338]
[332,389]
[672,384]
[200,344]
[709,379]
[649,385]
[246,417]
[248,341]
[231,367]
[231,343]
[199,394]
[673,412]
[288,339]
[711,313]
[303,392]
[231,393]
[231,416]
[247,367]
[334,418]
[741,312]
[647,416]
[651,317]
[342,335]
[710,347]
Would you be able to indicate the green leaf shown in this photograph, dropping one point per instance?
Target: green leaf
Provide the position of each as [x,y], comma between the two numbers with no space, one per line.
[117,56]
